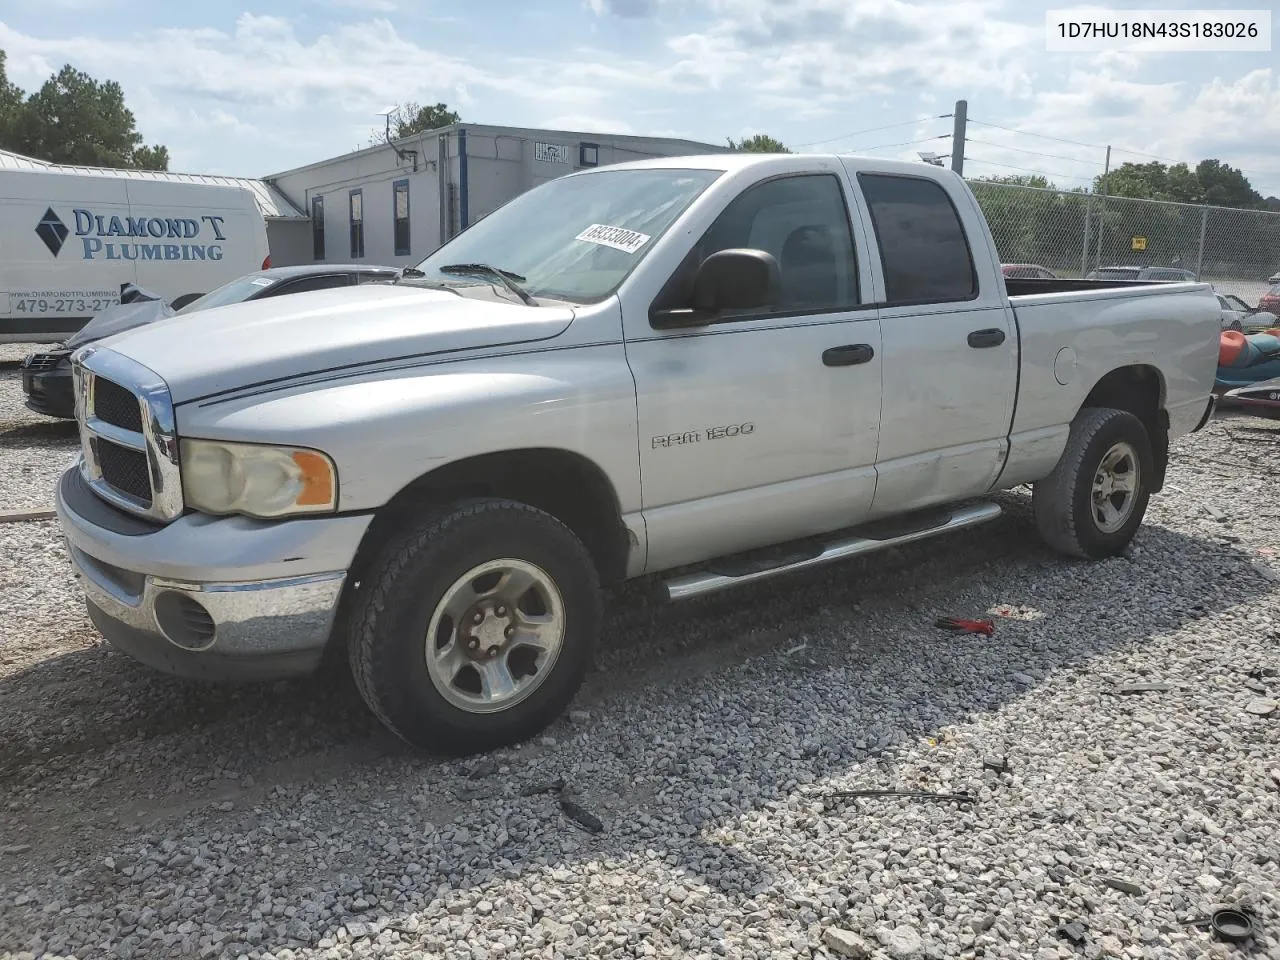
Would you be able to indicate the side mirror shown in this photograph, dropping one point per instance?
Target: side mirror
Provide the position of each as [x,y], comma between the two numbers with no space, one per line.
[735,279]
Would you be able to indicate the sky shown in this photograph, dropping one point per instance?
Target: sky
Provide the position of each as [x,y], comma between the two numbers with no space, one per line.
[267,85]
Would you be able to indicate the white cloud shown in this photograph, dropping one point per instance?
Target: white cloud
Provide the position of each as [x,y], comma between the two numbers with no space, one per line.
[587,124]
[364,6]
[627,9]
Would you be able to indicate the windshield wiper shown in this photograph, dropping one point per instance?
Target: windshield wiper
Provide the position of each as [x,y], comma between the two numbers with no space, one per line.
[506,276]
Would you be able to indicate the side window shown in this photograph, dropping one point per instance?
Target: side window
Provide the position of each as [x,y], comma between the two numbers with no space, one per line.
[357,223]
[803,222]
[400,189]
[317,228]
[922,243]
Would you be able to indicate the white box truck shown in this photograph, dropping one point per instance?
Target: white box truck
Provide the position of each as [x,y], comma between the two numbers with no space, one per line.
[69,241]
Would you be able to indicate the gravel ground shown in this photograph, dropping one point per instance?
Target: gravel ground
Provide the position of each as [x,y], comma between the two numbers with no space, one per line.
[34,449]
[148,817]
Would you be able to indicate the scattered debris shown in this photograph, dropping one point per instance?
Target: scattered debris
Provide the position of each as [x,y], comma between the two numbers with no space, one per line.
[999,766]
[26,516]
[910,794]
[1214,512]
[534,789]
[846,943]
[1228,924]
[961,625]
[796,649]
[1208,883]
[1124,886]
[485,768]
[579,716]
[1263,706]
[1008,611]
[1075,931]
[581,816]
[1129,688]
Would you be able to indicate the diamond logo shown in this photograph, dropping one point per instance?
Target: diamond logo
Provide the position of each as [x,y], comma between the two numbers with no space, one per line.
[52,231]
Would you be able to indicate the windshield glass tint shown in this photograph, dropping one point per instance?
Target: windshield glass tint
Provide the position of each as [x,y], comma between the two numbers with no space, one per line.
[575,238]
[233,292]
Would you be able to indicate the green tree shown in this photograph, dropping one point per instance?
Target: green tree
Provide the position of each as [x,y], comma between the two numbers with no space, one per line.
[1211,182]
[759,143]
[11,101]
[410,118]
[75,119]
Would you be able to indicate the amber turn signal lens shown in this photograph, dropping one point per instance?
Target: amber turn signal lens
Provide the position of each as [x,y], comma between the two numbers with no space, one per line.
[317,479]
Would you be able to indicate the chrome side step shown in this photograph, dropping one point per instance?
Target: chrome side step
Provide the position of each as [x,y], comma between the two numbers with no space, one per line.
[877,536]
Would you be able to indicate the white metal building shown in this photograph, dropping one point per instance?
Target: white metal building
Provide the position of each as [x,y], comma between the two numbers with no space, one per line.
[395,203]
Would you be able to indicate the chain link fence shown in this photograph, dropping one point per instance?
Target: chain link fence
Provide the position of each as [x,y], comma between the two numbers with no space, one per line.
[1073,233]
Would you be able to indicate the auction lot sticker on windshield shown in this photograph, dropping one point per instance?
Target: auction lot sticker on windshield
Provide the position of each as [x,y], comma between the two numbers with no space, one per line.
[620,238]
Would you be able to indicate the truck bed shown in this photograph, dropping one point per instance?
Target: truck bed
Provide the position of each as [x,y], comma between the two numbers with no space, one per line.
[1027,286]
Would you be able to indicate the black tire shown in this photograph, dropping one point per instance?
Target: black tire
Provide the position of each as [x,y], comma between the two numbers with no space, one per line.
[1063,501]
[392,612]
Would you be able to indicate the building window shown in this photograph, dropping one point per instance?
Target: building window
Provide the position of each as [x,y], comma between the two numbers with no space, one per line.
[588,154]
[400,190]
[317,228]
[357,223]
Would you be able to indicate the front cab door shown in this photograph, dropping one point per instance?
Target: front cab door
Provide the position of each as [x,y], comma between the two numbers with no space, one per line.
[761,426]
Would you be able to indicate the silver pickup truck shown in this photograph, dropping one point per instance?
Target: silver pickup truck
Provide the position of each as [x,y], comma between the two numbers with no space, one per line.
[708,369]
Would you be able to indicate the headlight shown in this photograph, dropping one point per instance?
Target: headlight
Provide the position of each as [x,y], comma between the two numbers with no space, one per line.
[256,480]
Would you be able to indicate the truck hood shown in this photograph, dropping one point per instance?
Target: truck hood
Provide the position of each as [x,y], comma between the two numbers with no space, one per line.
[280,338]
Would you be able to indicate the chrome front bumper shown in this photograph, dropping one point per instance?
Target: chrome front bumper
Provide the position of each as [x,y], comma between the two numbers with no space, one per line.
[214,598]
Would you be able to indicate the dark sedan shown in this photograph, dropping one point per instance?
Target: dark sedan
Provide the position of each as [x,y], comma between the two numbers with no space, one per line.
[46,377]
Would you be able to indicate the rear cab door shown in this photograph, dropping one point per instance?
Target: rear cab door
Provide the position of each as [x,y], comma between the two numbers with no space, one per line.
[950,361]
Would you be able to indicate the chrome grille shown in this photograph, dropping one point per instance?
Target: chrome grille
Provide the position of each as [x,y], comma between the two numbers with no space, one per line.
[128,441]
[117,406]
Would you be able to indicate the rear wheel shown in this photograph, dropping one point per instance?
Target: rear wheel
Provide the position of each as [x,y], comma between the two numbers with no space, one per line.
[1094,501]
[475,626]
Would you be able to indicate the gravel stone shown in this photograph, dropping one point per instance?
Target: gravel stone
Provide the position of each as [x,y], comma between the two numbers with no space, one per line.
[1263,706]
[846,943]
[709,755]
[901,942]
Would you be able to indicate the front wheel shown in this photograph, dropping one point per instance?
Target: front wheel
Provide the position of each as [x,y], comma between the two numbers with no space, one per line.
[1093,502]
[475,626]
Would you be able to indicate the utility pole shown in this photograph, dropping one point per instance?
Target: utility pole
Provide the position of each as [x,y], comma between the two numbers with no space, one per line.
[1106,171]
[957,136]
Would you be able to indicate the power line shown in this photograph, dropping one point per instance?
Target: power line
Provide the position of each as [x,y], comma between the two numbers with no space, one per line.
[889,126]
[1051,156]
[1042,173]
[1078,143]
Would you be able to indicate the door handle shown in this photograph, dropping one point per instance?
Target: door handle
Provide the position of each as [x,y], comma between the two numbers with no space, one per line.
[986,338]
[847,355]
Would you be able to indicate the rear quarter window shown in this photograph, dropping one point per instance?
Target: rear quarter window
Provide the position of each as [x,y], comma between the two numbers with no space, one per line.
[923,247]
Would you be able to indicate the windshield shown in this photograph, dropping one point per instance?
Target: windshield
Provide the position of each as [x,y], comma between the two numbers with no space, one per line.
[233,292]
[575,238]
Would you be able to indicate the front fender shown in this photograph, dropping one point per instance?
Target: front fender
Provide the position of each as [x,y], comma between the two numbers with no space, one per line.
[384,430]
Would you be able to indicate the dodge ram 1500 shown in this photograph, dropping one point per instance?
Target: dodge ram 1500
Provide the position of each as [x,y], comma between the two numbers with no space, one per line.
[707,370]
